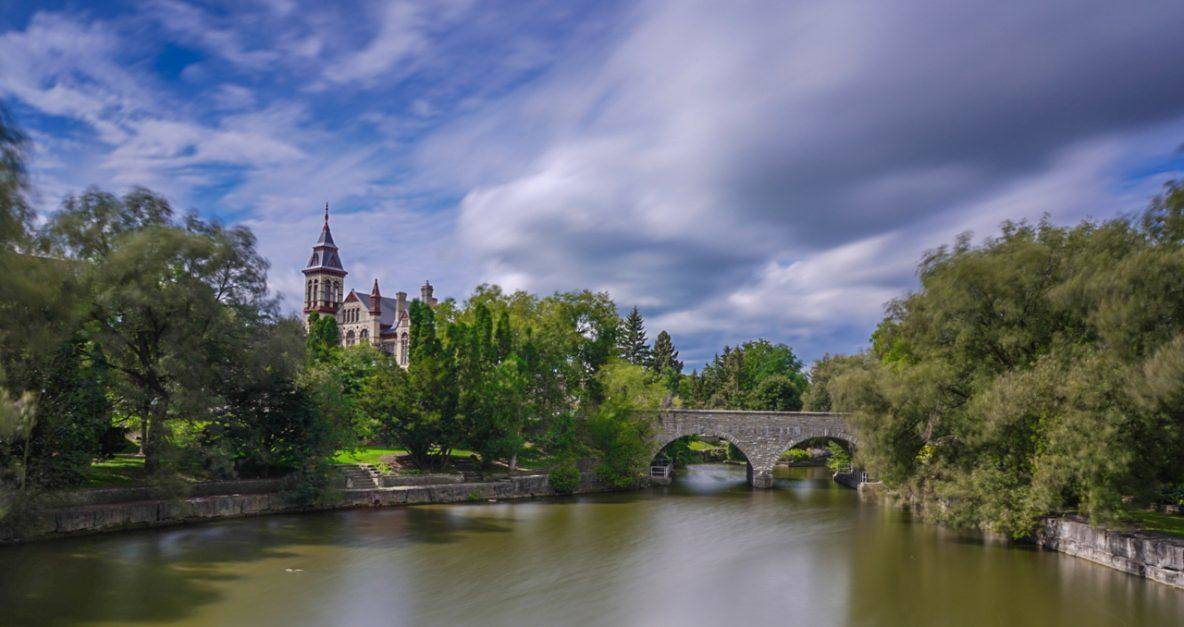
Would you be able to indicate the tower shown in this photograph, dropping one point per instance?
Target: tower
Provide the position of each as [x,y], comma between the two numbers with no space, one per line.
[324,276]
[425,294]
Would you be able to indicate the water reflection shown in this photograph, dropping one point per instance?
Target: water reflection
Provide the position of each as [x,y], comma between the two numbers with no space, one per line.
[705,550]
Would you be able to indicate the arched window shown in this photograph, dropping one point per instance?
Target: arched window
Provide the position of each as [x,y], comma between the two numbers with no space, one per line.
[403,342]
[349,338]
[365,335]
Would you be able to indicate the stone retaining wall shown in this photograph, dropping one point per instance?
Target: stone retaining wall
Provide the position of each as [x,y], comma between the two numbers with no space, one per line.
[99,517]
[391,481]
[1154,556]
[100,496]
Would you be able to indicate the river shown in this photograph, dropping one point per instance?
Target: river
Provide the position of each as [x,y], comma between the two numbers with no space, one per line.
[707,550]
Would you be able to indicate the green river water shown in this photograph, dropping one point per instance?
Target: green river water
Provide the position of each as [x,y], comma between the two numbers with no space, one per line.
[706,551]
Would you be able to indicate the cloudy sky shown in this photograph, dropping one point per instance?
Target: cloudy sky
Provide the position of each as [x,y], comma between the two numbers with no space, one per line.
[735,169]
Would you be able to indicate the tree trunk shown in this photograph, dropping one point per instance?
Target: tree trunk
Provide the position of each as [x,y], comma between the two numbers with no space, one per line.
[153,438]
[513,462]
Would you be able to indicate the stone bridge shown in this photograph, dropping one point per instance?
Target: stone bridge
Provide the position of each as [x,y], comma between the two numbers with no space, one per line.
[761,435]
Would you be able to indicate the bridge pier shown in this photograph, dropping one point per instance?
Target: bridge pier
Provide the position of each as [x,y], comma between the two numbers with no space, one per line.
[760,478]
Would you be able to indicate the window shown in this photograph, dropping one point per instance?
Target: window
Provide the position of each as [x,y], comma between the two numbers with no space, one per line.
[365,335]
[349,338]
[403,349]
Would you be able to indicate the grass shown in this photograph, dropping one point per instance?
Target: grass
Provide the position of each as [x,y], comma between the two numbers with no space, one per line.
[121,470]
[1156,521]
[373,455]
[366,455]
[696,445]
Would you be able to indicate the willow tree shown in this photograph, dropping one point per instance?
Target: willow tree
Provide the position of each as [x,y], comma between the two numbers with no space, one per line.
[171,304]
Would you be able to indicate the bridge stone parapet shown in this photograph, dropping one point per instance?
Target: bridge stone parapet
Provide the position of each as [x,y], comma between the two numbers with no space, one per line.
[763,436]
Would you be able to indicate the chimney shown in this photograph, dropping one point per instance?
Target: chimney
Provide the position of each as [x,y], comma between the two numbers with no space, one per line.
[375,300]
[400,304]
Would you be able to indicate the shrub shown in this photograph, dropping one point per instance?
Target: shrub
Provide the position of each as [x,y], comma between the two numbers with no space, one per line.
[797,455]
[565,477]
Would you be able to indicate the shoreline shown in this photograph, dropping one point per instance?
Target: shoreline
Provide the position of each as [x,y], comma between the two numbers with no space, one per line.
[261,499]
[1153,556]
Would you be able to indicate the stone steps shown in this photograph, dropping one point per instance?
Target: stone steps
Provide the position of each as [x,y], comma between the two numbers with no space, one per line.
[360,477]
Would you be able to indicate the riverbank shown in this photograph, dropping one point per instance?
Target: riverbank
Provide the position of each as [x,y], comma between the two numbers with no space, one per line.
[1149,554]
[1155,556]
[98,511]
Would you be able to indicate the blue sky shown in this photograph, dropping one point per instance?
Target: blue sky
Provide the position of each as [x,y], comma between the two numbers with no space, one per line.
[737,170]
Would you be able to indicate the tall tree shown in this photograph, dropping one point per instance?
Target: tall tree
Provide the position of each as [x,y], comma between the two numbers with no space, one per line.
[324,338]
[172,304]
[633,346]
[1036,372]
[15,213]
[664,361]
[665,355]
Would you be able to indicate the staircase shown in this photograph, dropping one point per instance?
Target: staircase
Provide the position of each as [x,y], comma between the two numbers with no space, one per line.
[360,477]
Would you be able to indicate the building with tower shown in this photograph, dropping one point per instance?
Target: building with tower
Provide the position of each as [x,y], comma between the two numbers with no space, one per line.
[362,317]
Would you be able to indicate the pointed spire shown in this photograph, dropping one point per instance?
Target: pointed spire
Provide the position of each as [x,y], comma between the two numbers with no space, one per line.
[375,299]
[324,252]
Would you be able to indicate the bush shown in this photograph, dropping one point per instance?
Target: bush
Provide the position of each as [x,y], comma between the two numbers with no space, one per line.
[565,477]
[839,457]
[797,455]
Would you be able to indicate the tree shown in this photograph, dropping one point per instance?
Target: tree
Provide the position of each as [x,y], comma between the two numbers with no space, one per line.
[15,213]
[419,408]
[664,355]
[619,429]
[172,304]
[825,370]
[324,338]
[633,346]
[776,393]
[1034,373]
[735,377]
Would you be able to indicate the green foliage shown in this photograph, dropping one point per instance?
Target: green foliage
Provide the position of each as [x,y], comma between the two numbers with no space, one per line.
[839,458]
[324,338]
[619,429]
[755,375]
[15,214]
[817,396]
[664,362]
[632,345]
[1041,371]
[777,393]
[170,303]
[73,412]
[564,478]
[797,455]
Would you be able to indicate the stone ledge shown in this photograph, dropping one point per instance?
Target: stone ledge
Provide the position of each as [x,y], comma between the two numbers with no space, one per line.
[1155,556]
[104,517]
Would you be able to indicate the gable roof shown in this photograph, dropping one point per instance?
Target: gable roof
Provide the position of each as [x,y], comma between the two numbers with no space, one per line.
[387,317]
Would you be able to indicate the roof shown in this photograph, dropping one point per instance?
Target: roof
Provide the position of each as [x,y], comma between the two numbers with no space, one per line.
[325,257]
[325,260]
[326,238]
[387,317]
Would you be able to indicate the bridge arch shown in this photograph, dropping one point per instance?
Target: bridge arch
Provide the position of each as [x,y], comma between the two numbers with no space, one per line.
[762,436]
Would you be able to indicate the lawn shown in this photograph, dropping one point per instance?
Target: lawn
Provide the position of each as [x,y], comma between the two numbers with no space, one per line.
[1155,521]
[373,454]
[121,470]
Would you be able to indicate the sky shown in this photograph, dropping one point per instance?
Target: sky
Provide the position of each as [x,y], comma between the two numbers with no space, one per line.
[734,169]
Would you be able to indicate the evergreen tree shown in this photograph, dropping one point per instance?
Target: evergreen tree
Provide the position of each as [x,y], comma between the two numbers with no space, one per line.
[664,356]
[632,345]
[324,338]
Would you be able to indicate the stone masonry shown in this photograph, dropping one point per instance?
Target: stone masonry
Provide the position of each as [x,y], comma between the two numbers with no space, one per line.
[761,435]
